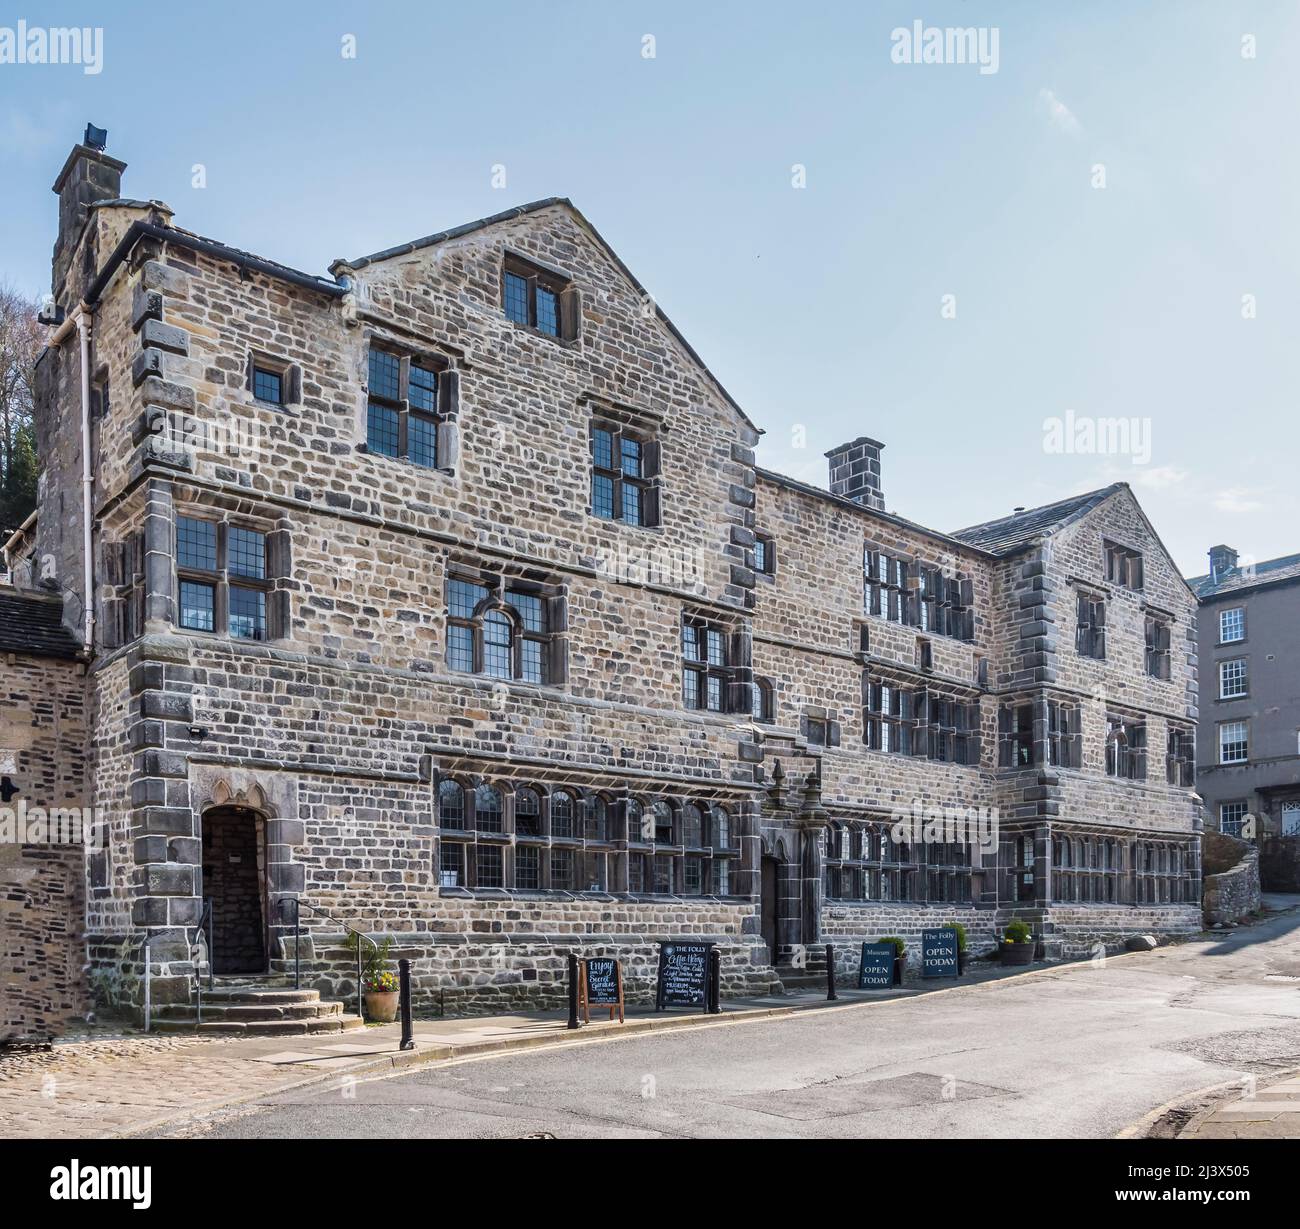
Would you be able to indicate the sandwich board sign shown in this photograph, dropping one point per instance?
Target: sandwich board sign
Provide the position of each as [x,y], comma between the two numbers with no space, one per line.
[601,985]
[939,953]
[876,967]
[683,975]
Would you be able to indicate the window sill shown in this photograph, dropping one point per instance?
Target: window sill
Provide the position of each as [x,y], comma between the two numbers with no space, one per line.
[558,894]
[405,462]
[529,330]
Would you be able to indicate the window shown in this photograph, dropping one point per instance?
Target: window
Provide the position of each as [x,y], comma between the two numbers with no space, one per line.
[942,604]
[1123,566]
[1231,817]
[528,812]
[533,297]
[268,386]
[624,467]
[1291,819]
[1158,633]
[1064,735]
[1233,740]
[1180,757]
[923,723]
[487,809]
[1233,682]
[817,730]
[503,631]
[762,698]
[1089,869]
[562,813]
[708,666]
[1090,634]
[863,862]
[451,865]
[884,585]
[764,554]
[1232,625]
[222,578]
[1126,742]
[451,805]
[1015,736]
[562,864]
[403,408]
[924,654]
[528,867]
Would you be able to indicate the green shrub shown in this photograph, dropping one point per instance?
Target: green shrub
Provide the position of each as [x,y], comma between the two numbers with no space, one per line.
[900,944]
[1017,932]
[961,934]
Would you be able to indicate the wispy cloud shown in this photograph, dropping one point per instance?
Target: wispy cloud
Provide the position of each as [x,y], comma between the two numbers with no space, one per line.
[1158,477]
[1237,499]
[22,133]
[1060,115]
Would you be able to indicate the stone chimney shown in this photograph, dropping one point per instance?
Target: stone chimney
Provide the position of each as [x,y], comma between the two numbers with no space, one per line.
[89,175]
[1222,559]
[855,472]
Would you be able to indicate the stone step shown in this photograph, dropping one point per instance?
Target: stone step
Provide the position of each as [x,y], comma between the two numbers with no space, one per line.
[259,996]
[261,1028]
[220,1010]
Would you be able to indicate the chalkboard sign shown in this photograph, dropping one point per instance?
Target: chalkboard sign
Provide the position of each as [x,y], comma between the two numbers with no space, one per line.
[939,953]
[876,969]
[601,985]
[683,975]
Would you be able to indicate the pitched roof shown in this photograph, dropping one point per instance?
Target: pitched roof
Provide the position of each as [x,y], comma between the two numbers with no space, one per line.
[1270,572]
[32,625]
[1008,534]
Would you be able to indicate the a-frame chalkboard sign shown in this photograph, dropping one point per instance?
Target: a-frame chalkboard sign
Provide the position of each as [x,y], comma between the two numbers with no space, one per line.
[683,975]
[600,985]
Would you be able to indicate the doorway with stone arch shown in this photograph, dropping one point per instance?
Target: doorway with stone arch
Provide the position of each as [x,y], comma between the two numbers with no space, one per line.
[234,885]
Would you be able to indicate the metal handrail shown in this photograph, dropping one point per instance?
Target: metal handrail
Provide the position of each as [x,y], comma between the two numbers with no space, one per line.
[298,906]
[203,926]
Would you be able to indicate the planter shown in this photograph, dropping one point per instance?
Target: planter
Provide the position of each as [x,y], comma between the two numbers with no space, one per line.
[900,962]
[1018,953]
[381,1006]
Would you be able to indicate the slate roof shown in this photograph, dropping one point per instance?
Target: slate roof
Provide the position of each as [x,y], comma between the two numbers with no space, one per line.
[33,626]
[1009,534]
[1271,571]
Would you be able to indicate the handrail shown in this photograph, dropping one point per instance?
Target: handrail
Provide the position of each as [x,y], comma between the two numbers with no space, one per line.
[298,906]
[203,926]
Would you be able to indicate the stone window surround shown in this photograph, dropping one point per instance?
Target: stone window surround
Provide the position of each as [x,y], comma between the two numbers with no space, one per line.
[1122,565]
[1090,622]
[446,416]
[906,718]
[568,301]
[733,673]
[854,853]
[616,849]
[650,481]
[290,378]
[1158,655]
[1126,760]
[1243,676]
[913,594]
[1180,755]
[279,570]
[763,707]
[1219,730]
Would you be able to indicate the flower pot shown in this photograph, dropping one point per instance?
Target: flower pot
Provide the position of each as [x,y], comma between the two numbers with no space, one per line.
[900,961]
[381,1005]
[1018,953]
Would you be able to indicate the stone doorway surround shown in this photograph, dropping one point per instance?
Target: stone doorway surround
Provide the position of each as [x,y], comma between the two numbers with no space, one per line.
[234,888]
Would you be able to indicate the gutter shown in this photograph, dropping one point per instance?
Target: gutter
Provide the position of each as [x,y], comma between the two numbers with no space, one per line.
[13,538]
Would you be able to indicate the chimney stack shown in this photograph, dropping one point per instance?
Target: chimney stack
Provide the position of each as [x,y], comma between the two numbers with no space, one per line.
[1222,560]
[855,472]
[89,175]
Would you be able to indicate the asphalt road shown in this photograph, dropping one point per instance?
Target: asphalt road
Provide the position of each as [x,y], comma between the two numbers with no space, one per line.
[1077,1051]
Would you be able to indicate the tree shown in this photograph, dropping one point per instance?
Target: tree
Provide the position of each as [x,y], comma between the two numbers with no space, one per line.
[21,342]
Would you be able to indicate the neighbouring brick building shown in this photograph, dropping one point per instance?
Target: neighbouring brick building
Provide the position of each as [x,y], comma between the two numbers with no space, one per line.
[1250,695]
[446,596]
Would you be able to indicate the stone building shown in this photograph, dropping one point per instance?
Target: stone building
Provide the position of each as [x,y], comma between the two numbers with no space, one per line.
[445,596]
[1250,757]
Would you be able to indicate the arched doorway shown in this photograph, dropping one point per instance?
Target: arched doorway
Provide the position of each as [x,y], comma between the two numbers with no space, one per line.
[770,903]
[234,884]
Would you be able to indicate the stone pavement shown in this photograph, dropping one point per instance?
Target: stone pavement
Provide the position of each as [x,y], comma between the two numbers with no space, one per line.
[1265,1111]
[130,1082]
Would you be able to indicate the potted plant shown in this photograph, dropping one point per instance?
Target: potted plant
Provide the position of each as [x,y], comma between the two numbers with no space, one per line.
[378,981]
[961,945]
[1018,943]
[900,955]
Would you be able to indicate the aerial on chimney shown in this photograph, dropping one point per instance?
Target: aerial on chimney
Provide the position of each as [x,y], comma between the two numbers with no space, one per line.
[855,472]
[1222,561]
[96,138]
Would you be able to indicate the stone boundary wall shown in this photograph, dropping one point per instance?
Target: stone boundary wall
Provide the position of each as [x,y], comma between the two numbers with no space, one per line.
[1231,886]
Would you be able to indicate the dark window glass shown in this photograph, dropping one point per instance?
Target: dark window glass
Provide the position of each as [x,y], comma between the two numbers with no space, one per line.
[498,637]
[247,553]
[451,804]
[422,392]
[528,812]
[381,429]
[196,544]
[268,386]
[422,440]
[460,648]
[487,809]
[489,866]
[385,375]
[602,496]
[517,298]
[198,605]
[464,598]
[562,869]
[451,862]
[247,613]
[663,874]
[528,864]
[548,316]
[562,814]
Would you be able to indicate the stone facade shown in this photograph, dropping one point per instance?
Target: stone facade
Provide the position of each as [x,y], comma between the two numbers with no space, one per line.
[1231,878]
[568,672]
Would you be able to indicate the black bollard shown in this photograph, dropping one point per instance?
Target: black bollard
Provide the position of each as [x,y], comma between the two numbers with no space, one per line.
[715,982]
[831,996]
[573,991]
[404,1004]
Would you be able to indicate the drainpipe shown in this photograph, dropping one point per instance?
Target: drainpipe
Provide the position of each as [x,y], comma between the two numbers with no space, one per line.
[87,482]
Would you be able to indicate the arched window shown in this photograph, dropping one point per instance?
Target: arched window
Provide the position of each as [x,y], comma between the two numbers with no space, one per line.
[721,828]
[562,814]
[692,826]
[663,816]
[635,821]
[498,645]
[528,811]
[597,818]
[451,804]
[762,697]
[487,808]
[503,635]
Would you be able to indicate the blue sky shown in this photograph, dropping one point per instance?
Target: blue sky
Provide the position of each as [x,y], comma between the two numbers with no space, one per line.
[818,307]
